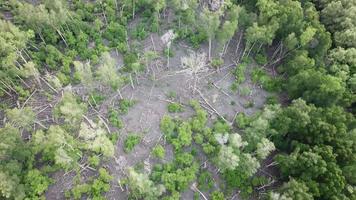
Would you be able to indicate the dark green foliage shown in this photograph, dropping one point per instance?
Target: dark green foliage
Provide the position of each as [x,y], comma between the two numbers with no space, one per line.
[261,59]
[258,75]
[205,181]
[124,105]
[96,99]
[316,87]
[177,175]
[117,35]
[94,188]
[139,31]
[130,142]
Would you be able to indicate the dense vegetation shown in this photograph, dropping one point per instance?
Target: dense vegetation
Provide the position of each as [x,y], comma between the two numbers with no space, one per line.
[305,50]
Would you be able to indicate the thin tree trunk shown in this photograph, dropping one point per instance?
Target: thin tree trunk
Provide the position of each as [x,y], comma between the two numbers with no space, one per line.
[39,33]
[133,9]
[227,46]
[131,81]
[168,57]
[60,34]
[209,49]
[248,54]
[238,43]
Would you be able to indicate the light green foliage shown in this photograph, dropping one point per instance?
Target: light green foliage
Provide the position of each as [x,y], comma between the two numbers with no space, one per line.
[142,187]
[96,139]
[261,59]
[22,118]
[107,72]
[9,187]
[13,41]
[167,126]
[56,145]
[217,63]
[217,195]
[94,160]
[292,190]
[209,23]
[264,148]
[130,142]
[175,107]
[307,35]
[227,159]
[36,183]
[159,151]
[14,153]
[83,73]
[70,109]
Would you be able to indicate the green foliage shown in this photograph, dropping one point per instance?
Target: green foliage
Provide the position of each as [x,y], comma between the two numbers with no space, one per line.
[239,73]
[261,59]
[258,75]
[205,181]
[159,151]
[56,145]
[242,121]
[95,138]
[142,187]
[95,188]
[70,109]
[36,184]
[292,190]
[217,195]
[114,119]
[179,134]
[217,63]
[124,105]
[22,118]
[107,72]
[316,87]
[175,107]
[130,142]
[178,174]
[139,31]
[316,164]
[95,99]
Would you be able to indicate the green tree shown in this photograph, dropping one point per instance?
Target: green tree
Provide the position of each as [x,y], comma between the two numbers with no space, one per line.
[142,187]
[22,118]
[70,109]
[316,87]
[107,72]
[210,23]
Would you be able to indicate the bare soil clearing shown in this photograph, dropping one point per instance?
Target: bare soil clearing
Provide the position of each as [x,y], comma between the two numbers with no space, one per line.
[211,88]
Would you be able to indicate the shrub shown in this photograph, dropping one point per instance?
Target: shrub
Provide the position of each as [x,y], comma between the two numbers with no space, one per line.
[158,151]
[130,142]
[175,107]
